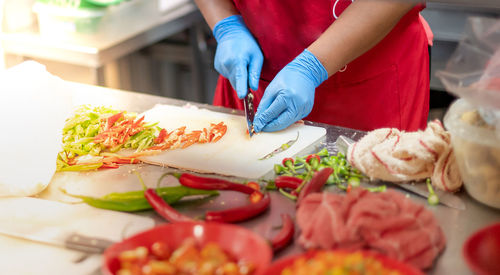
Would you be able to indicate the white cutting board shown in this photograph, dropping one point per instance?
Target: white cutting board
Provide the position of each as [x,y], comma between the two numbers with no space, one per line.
[235,154]
[26,257]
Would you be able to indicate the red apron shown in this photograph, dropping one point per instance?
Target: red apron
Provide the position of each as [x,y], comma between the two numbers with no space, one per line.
[388,86]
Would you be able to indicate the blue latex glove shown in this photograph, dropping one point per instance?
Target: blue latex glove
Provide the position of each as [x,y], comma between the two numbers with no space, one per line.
[238,56]
[290,96]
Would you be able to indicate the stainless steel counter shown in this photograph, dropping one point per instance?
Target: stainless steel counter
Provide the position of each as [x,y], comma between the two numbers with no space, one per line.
[457,225]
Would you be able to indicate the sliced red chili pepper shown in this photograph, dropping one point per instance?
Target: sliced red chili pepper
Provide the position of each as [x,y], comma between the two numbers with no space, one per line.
[255,186]
[120,160]
[348,189]
[110,121]
[207,183]
[287,182]
[283,238]
[163,209]
[138,122]
[109,166]
[241,213]
[256,196]
[161,136]
[315,184]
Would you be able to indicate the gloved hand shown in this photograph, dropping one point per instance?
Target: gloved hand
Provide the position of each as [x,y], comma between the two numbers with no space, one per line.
[238,56]
[290,96]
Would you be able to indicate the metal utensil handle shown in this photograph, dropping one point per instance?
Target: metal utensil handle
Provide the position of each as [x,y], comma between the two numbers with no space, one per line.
[87,244]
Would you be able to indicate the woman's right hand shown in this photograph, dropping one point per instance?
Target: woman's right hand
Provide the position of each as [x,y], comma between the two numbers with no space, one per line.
[238,56]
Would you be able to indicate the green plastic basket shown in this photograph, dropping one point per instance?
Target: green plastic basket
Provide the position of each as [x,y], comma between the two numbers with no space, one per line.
[81,3]
[72,17]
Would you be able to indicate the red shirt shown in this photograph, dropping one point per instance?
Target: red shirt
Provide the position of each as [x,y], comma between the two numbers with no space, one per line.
[388,86]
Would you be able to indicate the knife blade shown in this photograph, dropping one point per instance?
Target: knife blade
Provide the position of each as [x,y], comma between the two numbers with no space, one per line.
[418,188]
[249,112]
[54,236]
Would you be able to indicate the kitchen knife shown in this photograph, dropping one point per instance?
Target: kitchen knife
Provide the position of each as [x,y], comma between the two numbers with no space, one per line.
[249,112]
[420,189]
[73,226]
[55,236]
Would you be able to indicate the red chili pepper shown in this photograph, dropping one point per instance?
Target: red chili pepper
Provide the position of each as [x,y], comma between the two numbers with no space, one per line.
[163,209]
[311,157]
[241,213]
[287,182]
[315,184]
[255,186]
[256,196]
[206,183]
[314,161]
[287,161]
[348,189]
[283,238]
[161,136]
[110,121]
[109,166]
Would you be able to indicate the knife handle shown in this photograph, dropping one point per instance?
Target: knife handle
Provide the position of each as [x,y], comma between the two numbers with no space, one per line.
[87,244]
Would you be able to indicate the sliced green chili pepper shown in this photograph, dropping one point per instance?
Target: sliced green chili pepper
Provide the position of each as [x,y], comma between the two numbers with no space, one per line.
[381,188]
[81,167]
[282,148]
[354,181]
[433,199]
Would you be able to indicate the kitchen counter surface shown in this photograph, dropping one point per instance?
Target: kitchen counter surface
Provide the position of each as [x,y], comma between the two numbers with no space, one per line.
[456,224]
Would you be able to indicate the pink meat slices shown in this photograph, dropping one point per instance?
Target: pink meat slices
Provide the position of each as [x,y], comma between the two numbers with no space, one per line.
[386,222]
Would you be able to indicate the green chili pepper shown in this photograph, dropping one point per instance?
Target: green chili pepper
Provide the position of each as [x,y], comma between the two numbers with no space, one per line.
[381,188]
[135,201]
[288,195]
[81,167]
[323,153]
[271,185]
[289,163]
[433,199]
[354,181]
[278,169]
[167,191]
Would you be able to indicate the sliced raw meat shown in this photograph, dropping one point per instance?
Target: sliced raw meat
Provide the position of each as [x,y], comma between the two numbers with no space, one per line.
[387,222]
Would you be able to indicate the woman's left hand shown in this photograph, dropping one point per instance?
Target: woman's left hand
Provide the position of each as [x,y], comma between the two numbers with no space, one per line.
[290,96]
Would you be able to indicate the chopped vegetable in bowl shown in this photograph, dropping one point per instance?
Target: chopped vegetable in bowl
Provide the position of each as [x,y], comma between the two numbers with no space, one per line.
[340,262]
[186,259]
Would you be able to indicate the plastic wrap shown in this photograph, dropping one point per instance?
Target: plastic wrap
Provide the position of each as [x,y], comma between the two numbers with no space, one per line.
[473,71]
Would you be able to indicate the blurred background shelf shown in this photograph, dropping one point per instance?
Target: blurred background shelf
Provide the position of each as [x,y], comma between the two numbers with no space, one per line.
[164,47]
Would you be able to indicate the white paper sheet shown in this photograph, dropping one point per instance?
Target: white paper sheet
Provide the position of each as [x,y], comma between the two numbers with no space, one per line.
[33,108]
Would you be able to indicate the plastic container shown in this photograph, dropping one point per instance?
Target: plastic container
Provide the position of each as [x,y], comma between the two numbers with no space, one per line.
[56,21]
[477,151]
[98,26]
[473,71]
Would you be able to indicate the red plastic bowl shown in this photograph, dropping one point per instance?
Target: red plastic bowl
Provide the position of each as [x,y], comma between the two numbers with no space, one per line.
[278,266]
[240,243]
[482,250]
